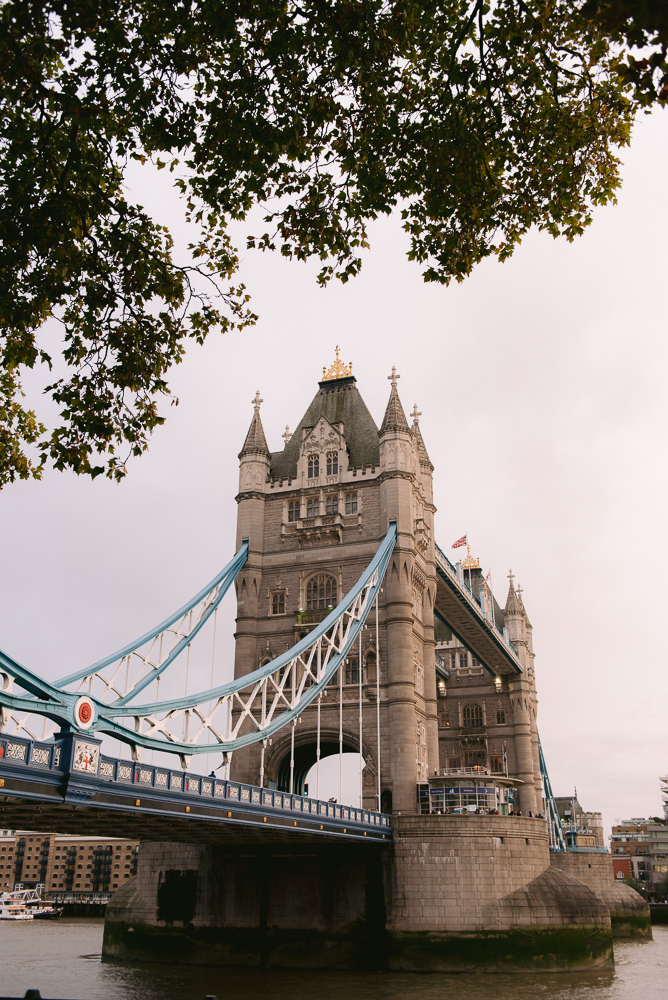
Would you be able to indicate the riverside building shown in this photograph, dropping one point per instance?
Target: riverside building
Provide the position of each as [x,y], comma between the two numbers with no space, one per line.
[66,864]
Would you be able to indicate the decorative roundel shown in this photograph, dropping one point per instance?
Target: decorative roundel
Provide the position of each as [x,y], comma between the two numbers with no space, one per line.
[84,713]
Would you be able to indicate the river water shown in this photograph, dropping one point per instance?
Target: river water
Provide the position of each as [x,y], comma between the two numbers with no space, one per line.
[62,960]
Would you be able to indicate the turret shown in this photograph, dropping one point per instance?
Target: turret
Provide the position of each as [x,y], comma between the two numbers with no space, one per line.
[254,459]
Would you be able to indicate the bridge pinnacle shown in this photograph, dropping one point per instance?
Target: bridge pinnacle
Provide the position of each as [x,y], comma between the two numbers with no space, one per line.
[395,418]
[256,442]
[416,414]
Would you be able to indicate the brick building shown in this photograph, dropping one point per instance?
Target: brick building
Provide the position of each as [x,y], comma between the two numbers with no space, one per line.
[640,846]
[64,863]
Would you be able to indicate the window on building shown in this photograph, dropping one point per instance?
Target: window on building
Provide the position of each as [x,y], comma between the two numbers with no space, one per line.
[474,758]
[313,466]
[474,661]
[332,463]
[472,715]
[332,504]
[312,508]
[453,661]
[500,718]
[496,765]
[351,503]
[462,660]
[321,592]
[444,720]
[278,604]
[294,510]
[454,763]
[352,672]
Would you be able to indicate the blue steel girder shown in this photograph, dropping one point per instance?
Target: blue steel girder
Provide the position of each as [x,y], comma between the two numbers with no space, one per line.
[471,622]
[555,831]
[151,655]
[224,718]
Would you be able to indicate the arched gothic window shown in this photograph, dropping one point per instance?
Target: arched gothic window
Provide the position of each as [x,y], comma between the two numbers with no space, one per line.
[312,508]
[313,466]
[472,715]
[278,604]
[332,504]
[294,508]
[332,463]
[321,592]
[501,718]
[351,503]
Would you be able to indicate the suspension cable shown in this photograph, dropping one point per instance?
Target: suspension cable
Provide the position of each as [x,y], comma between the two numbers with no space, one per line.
[378,702]
[359,678]
[213,660]
[317,756]
[341,732]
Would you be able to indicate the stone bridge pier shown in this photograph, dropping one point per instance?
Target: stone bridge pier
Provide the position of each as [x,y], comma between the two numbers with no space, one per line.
[451,894]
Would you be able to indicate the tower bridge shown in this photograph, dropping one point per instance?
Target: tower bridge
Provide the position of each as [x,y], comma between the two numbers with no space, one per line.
[354,632]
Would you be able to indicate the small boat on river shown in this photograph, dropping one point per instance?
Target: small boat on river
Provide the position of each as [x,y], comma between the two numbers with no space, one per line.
[13,907]
[27,904]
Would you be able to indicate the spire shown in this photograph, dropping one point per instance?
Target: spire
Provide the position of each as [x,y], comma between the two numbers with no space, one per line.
[395,418]
[513,605]
[521,602]
[417,435]
[256,442]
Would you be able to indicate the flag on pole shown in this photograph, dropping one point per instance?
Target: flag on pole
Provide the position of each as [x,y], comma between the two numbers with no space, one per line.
[460,541]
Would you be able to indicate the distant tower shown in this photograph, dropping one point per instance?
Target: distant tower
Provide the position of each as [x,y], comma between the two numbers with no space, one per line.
[523,701]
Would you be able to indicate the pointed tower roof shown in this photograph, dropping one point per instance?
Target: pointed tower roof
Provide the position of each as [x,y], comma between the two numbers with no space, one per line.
[395,418]
[417,435]
[338,400]
[256,442]
[521,602]
[513,604]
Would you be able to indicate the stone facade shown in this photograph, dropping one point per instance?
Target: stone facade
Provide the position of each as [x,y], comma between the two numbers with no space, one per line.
[314,515]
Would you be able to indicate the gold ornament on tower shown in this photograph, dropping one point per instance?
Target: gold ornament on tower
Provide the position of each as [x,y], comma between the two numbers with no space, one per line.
[470,562]
[337,370]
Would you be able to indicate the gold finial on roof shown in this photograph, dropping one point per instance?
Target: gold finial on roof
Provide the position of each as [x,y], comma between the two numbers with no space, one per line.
[470,562]
[337,370]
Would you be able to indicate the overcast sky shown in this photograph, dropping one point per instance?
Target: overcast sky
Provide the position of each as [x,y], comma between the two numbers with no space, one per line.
[542,389]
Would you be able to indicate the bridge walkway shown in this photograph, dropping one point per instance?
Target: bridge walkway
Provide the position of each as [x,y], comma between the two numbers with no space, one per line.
[54,786]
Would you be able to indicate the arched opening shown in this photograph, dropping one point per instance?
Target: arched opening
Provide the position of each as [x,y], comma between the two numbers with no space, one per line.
[339,779]
[386,801]
[305,759]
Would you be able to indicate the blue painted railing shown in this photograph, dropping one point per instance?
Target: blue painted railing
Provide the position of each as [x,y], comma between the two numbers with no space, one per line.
[41,757]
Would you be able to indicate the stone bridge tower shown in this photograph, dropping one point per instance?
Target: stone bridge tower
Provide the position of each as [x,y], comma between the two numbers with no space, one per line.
[314,514]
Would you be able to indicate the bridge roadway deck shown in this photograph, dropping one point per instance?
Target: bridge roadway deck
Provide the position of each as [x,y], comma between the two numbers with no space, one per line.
[150,802]
[463,613]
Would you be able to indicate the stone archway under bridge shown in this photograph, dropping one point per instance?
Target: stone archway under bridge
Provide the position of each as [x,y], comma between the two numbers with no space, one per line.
[277,761]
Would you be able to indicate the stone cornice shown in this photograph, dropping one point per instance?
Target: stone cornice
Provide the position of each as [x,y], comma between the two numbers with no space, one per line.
[250,495]
[398,474]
